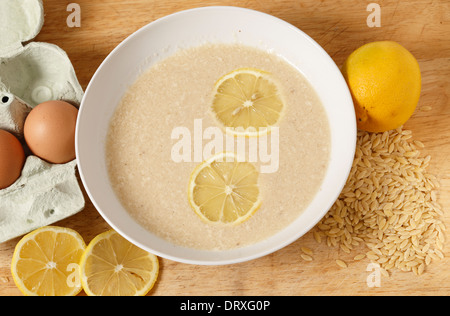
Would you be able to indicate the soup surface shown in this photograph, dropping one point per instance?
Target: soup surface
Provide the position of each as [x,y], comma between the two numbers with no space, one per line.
[167,112]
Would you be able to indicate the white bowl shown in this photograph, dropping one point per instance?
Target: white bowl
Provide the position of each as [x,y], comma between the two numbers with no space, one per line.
[190,28]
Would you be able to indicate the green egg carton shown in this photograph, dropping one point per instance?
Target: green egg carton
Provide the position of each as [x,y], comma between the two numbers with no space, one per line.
[29,75]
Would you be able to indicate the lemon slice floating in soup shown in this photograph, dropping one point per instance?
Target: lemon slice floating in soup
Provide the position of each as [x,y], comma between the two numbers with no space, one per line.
[224,190]
[247,101]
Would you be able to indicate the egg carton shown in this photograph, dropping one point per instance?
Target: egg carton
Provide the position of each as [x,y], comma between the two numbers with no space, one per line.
[29,75]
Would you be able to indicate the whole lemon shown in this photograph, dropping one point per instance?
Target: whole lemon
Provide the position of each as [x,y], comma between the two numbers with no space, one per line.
[385,82]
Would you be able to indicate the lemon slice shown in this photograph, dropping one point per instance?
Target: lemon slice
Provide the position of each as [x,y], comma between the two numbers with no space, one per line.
[247,101]
[45,262]
[224,190]
[112,266]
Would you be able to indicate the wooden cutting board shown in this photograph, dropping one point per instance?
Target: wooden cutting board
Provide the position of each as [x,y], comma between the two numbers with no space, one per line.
[422,26]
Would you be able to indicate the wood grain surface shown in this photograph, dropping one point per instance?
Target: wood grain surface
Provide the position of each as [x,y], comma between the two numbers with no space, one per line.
[422,26]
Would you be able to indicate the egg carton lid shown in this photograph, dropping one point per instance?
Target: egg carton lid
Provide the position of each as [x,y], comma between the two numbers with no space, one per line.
[32,70]
[20,21]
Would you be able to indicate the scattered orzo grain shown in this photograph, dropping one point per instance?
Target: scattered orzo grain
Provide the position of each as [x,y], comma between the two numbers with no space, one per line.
[341,263]
[307,251]
[317,237]
[306,257]
[389,204]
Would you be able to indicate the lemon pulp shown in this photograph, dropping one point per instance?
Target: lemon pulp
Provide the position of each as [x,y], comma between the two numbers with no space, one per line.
[224,190]
[247,101]
[45,262]
[112,266]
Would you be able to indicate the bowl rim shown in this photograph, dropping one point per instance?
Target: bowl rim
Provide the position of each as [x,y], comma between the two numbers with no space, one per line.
[243,258]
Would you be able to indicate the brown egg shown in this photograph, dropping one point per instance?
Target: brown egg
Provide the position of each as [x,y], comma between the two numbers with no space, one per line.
[12,159]
[50,131]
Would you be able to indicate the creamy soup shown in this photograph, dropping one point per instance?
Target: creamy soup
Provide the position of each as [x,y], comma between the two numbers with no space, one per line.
[177,92]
